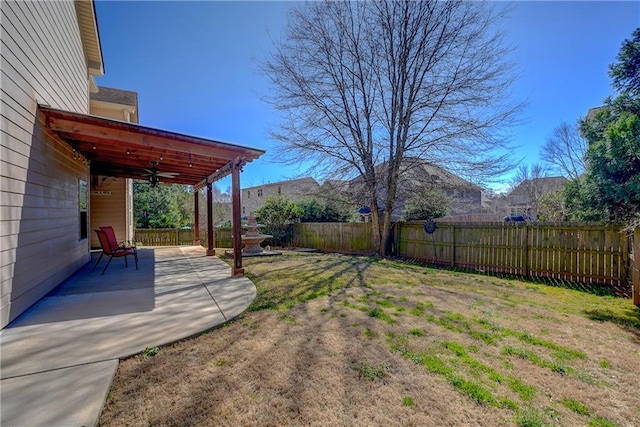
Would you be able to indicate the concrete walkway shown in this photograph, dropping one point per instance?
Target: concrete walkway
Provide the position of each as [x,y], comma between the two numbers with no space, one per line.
[58,359]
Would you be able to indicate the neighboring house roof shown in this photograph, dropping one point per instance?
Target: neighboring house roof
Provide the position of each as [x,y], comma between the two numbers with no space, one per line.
[542,185]
[417,171]
[334,183]
[593,111]
[298,181]
[115,96]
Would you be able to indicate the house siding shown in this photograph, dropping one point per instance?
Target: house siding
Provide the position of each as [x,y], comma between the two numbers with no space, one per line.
[253,198]
[110,208]
[41,62]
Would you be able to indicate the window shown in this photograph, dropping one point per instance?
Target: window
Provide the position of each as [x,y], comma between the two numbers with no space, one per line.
[248,194]
[260,193]
[243,210]
[279,190]
[83,204]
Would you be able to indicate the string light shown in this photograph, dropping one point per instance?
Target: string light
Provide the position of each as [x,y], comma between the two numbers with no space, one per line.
[128,152]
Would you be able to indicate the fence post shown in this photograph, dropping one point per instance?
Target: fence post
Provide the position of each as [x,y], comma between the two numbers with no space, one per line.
[636,266]
[396,239]
[626,263]
[453,245]
[527,270]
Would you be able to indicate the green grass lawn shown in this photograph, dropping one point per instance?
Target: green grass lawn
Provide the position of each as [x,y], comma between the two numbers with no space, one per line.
[404,345]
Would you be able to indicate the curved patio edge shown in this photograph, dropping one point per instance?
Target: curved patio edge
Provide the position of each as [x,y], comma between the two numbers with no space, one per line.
[178,292]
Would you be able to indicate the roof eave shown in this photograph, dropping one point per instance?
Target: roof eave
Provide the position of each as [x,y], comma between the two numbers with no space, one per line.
[90,35]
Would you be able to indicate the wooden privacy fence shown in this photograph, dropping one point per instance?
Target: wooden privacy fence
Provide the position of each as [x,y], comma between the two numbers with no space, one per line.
[576,253]
[593,254]
[345,237]
[177,236]
[223,236]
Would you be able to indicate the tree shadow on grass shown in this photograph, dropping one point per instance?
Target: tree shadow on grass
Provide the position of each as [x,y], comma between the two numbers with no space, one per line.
[628,318]
[310,282]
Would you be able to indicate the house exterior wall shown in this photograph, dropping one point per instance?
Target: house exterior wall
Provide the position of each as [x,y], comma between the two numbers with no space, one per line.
[109,207]
[253,198]
[40,241]
[465,200]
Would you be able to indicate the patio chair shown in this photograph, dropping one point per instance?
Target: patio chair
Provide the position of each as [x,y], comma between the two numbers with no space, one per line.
[108,250]
[113,242]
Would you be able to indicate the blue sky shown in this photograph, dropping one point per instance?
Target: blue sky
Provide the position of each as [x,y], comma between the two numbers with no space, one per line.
[195,66]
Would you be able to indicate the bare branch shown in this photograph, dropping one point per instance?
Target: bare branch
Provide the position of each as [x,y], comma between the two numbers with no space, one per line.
[564,151]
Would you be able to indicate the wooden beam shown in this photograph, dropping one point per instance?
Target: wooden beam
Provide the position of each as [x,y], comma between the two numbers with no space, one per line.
[210,231]
[223,171]
[137,136]
[236,219]
[196,218]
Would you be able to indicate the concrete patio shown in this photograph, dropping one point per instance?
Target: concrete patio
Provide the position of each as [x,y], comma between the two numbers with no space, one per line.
[57,360]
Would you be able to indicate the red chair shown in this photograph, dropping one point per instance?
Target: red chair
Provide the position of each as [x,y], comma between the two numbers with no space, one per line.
[113,241]
[113,253]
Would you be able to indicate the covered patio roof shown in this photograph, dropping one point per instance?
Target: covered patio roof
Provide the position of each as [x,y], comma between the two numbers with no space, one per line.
[129,150]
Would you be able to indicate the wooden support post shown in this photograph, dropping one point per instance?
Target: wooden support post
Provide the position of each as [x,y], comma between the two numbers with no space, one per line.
[636,266]
[210,231]
[196,218]
[237,269]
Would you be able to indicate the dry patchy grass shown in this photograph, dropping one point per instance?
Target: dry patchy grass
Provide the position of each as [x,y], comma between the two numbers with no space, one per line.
[340,340]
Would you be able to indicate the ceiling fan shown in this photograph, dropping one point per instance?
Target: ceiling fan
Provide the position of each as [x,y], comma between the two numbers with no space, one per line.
[154,174]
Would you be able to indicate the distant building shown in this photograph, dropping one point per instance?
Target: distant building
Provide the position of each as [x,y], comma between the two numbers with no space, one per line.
[253,198]
[523,200]
[464,196]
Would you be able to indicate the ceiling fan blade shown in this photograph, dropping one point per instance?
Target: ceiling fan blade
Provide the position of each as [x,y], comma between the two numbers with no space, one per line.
[168,174]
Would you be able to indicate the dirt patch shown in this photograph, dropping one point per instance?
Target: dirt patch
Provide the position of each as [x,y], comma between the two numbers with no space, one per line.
[339,340]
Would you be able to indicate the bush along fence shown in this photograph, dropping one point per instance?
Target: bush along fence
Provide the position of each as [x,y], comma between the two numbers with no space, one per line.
[177,237]
[582,253]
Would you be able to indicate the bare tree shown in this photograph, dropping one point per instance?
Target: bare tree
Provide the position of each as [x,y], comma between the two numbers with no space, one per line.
[528,175]
[564,151]
[363,85]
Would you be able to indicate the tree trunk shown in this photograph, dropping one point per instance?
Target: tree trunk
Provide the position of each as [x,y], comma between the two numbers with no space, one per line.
[375,224]
[385,243]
